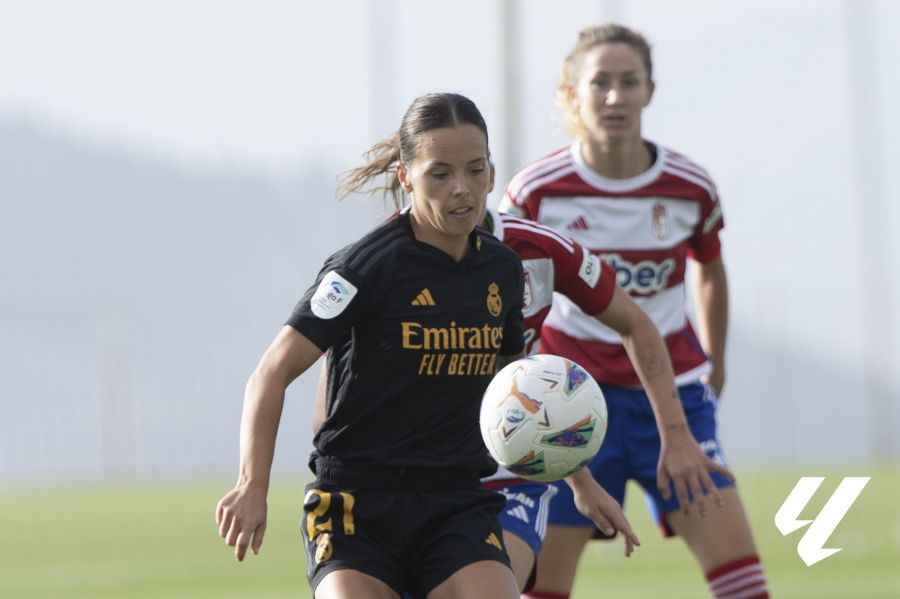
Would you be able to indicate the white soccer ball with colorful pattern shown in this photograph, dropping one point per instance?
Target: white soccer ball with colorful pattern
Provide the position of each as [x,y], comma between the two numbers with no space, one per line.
[543,417]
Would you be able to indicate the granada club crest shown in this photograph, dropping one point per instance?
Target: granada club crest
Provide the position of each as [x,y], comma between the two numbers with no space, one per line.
[659,225]
[494,303]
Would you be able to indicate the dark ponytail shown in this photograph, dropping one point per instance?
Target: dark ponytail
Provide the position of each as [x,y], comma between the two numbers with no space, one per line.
[428,112]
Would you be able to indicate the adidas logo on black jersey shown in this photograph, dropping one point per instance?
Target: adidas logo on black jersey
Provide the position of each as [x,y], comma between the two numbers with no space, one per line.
[423,299]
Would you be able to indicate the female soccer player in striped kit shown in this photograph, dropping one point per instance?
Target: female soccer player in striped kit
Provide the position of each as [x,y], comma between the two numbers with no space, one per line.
[557,267]
[645,210]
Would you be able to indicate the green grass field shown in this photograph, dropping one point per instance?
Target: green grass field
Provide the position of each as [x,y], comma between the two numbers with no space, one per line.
[123,542]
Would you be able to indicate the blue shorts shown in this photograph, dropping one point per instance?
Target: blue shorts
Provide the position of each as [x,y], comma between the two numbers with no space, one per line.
[525,514]
[631,450]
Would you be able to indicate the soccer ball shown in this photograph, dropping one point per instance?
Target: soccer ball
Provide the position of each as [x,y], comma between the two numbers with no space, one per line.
[543,417]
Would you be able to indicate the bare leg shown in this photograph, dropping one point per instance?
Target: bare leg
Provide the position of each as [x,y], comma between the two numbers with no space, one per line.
[352,584]
[721,537]
[558,561]
[476,581]
[521,557]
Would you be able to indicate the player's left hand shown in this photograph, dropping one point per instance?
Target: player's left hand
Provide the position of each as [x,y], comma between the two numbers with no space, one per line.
[684,466]
[595,503]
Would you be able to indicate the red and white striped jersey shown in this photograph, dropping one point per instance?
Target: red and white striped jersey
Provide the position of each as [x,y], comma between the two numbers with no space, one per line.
[553,262]
[645,228]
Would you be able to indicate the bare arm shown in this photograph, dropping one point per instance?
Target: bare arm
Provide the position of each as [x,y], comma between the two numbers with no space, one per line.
[241,513]
[681,461]
[650,358]
[710,288]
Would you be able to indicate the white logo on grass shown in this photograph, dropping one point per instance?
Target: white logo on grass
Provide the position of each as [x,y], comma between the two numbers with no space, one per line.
[332,297]
[811,548]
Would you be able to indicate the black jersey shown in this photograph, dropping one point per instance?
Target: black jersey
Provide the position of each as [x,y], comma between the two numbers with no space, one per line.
[414,338]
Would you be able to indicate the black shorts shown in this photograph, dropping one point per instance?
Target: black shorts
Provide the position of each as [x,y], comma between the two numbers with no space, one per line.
[411,540]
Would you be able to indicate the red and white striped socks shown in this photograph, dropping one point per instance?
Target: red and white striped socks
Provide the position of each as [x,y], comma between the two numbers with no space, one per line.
[740,579]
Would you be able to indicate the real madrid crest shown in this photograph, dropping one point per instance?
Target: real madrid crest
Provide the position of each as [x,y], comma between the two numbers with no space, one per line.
[494,302]
[323,547]
[659,225]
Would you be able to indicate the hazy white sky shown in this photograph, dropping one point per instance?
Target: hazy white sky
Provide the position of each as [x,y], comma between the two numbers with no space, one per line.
[261,84]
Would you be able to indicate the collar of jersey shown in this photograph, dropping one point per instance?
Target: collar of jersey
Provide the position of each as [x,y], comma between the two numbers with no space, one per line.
[594,178]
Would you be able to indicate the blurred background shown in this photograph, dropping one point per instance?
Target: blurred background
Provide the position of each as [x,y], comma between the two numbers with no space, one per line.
[167,177]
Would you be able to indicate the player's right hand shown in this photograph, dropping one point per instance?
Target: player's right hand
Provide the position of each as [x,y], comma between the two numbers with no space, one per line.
[595,503]
[241,518]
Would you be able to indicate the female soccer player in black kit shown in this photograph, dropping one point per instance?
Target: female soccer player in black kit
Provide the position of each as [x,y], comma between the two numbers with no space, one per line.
[417,316]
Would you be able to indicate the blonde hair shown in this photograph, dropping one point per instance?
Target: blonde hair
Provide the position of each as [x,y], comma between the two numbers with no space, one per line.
[431,111]
[608,33]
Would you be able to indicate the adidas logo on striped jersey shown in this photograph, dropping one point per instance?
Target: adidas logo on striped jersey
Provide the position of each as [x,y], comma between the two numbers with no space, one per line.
[423,299]
[493,540]
[579,224]
[520,513]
